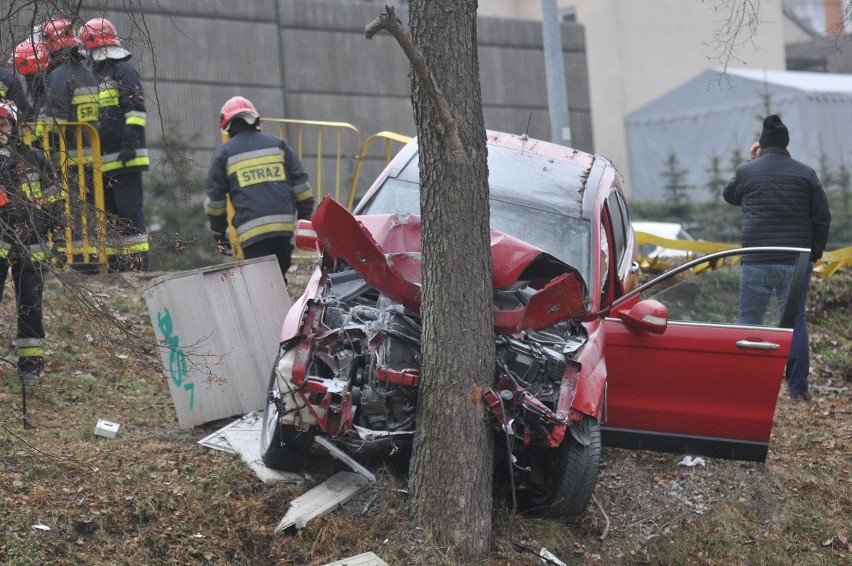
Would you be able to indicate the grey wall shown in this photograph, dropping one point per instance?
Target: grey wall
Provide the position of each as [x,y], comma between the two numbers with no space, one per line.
[309,59]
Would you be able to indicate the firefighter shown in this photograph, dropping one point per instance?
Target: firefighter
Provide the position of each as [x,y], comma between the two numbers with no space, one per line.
[28,201]
[72,89]
[266,182]
[32,61]
[11,89]
[121,126]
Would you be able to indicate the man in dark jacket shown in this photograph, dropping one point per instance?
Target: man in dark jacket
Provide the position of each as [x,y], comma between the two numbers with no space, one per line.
[30,201]
[122,120]
[783,204]
[266,182]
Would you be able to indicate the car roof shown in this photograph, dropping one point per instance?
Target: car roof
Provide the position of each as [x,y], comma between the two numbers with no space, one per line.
[574,196]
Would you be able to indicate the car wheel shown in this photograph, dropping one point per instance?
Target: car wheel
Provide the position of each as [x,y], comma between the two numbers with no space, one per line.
[282,447]
[563,479]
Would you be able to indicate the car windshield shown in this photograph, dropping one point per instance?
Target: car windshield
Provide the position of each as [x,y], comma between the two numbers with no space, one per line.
[540,215]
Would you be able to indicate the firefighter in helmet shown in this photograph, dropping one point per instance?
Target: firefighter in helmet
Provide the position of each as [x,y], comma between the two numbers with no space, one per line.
[32,62]
[72,89]
[122,119]
[12,89]
[29,201]
[266,182]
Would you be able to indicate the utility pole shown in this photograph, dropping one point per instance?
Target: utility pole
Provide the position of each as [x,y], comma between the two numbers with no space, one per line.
[557,94]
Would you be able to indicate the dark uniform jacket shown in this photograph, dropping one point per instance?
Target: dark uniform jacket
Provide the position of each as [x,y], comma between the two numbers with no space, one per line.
[783,203]
[122,116]
[267,185]
[72,96]
[33,206]
[11,89]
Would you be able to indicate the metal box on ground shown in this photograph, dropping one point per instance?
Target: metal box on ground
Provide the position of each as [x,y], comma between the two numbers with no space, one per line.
[217,330]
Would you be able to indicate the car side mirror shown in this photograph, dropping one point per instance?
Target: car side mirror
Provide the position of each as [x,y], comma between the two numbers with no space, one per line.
[648,315]
[306,237]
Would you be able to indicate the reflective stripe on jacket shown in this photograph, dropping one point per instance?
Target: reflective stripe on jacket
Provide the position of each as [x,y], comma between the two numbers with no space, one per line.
[267,185]
[122,116]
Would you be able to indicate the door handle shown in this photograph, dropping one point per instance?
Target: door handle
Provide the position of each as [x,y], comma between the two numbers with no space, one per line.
[748,344]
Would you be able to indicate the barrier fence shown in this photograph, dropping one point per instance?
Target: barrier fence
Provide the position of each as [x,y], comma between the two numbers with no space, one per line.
[74,151]
[830,262]
[339,143]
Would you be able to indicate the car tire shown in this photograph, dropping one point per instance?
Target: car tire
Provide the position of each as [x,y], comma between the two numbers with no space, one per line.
[282,447]
[569,474]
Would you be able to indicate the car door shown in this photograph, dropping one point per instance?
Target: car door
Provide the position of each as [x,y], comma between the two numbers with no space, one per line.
[689,367]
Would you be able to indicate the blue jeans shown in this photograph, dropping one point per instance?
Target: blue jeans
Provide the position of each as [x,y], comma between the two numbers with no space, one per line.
[756,287]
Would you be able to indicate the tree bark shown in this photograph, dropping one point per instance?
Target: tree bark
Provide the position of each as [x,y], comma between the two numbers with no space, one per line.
[451,469]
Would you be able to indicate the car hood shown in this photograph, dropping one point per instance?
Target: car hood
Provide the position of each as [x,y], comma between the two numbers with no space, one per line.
[385,251]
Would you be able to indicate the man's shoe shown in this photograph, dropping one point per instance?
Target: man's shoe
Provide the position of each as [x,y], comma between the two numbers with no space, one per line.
[803,396]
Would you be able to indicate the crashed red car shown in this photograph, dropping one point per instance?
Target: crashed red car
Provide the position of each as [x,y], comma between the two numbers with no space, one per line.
[584,353]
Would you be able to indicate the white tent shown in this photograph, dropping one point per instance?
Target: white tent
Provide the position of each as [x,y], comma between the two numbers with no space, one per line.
[718,112]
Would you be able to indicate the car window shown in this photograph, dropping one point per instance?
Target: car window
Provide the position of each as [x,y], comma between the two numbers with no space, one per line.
[730,293]
[564,237]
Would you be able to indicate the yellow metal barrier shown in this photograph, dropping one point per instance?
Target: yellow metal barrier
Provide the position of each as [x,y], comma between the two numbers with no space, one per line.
[347,147]
[80,166]
[389,138]
[339,129]
[825,267]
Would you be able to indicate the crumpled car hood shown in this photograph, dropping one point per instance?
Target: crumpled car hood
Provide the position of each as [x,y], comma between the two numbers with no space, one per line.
[385,251]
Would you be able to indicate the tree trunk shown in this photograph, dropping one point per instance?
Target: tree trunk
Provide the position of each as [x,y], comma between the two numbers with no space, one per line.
[451,470]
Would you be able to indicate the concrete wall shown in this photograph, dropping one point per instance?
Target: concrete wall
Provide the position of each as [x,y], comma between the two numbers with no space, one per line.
[309,59]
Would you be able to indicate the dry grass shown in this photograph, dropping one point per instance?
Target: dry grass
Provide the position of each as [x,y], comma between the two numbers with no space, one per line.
[153,496]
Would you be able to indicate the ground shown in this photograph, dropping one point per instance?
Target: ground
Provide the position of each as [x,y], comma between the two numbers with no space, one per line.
[152,495]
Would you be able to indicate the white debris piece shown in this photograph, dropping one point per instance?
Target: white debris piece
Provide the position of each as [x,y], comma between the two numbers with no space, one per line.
[107,429]
[217,440]
[41,527]
[247,444]
[324,498]
[690,461]
[365,559]
[547,557]
[345,458]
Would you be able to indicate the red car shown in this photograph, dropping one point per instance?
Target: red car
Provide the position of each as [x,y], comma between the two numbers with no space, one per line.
[584,354]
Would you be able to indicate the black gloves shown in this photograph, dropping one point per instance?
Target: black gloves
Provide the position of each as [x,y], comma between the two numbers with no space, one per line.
[126,154]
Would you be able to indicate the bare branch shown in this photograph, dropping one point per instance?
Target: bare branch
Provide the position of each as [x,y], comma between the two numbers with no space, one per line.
[737,26]
[390,23]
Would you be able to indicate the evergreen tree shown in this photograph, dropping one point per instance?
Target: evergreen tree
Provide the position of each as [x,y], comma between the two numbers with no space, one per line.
[843,181]
[716,182]
[826,175]
[676,188]
[177,223]
[735,159]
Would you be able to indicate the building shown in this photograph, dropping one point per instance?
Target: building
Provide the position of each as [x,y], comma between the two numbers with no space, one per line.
[638,51]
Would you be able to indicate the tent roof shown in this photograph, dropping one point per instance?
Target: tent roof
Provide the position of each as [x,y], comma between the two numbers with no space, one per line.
[716,89]
[800,80]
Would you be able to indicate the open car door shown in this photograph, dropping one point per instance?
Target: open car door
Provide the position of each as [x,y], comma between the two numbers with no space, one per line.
[695,357]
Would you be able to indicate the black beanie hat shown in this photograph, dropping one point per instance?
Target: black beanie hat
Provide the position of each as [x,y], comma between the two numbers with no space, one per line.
[774,133]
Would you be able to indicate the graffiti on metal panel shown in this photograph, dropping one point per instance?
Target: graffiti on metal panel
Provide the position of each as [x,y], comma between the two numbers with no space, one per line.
[177,357]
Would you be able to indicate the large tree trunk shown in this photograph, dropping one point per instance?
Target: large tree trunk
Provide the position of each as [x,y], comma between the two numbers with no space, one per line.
[452,463]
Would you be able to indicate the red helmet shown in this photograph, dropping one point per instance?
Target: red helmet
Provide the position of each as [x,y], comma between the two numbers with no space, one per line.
[98,32]
[58,34]
[237,107]
[9,111]
[31,57]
